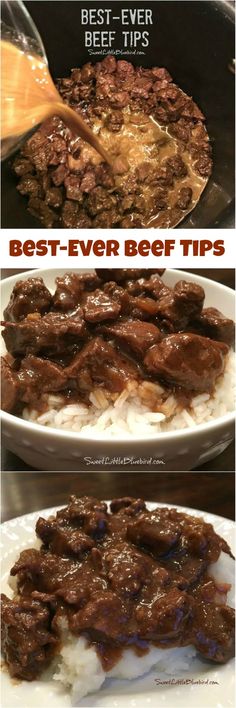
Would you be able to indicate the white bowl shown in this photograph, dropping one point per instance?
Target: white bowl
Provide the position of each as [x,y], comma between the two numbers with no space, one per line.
[54,449]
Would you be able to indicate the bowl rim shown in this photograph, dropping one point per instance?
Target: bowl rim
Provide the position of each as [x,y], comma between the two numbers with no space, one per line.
[17,422]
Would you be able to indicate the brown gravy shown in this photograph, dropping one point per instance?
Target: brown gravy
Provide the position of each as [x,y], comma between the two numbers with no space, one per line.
[28,97]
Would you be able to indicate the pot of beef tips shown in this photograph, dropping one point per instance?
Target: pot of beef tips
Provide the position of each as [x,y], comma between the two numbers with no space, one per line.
[155,135]
[106,330]
[125,578]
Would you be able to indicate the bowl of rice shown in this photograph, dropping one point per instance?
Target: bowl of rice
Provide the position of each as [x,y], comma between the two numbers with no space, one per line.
[129,430]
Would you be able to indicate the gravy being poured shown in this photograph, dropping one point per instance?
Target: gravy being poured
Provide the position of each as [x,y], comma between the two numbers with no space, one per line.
[29,96]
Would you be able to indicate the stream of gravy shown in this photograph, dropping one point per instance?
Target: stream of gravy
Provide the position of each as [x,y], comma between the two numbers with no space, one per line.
[29,96]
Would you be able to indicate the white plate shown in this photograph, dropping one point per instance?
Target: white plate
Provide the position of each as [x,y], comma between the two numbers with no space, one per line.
[17,534]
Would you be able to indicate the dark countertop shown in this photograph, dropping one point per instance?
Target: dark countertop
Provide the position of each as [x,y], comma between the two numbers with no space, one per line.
[224,462]
[31,491]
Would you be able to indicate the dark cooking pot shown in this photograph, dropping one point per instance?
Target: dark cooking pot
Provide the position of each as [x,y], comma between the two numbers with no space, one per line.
[195,42]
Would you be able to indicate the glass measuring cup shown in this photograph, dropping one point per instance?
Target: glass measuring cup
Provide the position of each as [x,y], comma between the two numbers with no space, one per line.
[19,31]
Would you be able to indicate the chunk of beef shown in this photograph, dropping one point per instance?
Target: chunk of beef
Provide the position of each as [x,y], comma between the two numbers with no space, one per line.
[152,286]
[72,185]
[49,334]
[30,186]
[70,287]
[137,335]
[128,570]
[27,641]
[213,633]
[148,532]
[54,197]
[102,617]
[184,198]
[79,508]
[182,303]
[124,503]
[204,165]
[98,200]
[212,323]
[37,376]
[99,363]
[73,217]
[64,541]
[114,121]
[28,296]
[37,207]
[22,166]
[166,617]
[177,166]
[99,307]
[187,360]
[10,387]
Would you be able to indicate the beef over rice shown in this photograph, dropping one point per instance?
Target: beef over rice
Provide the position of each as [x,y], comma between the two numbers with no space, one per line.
[107,589]
[116,351]
[156,139]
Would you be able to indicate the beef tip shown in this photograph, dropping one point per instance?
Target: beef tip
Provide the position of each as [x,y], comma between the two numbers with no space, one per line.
[120,274]
[99,307]
[70,288]
[37,207]
[28,296]
[143,308]
[123,503]
[10,387]
[161,74]
[204,165]
[119,99]
[78,509]
[114,121]
[187,360]
[72,185]
[99,363]
[73,217]
[127,569]
[212,323]
[30,186]
[53,197]
[166,617]
[39,376]
[180,305]
[99,200]
[131,221]
[59,175]
[119,294]
[104,176]
[189,296]
[52,333]
[66,541]
[157,536]
[137,335]
[108,64]
[102,617]
[27,641]
[87,73]
[22,166]
[184,198]
[213,634]
[152,286]
[88,181]
[106,220]
[177,166]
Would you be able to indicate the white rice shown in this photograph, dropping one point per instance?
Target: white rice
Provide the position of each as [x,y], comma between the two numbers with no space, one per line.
[140,410]
[79,668]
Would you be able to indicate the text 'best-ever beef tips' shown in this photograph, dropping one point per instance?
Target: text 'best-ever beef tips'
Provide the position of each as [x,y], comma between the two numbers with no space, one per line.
[124,578]
[107,329]
[156,140]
